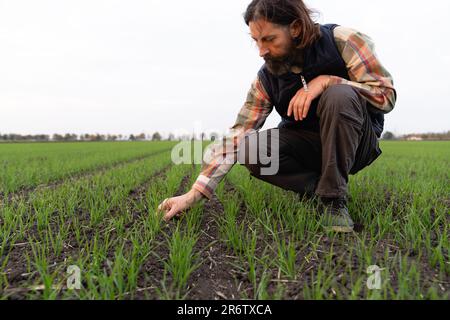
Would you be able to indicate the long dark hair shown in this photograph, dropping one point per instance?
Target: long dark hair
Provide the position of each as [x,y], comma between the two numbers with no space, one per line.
[284,12]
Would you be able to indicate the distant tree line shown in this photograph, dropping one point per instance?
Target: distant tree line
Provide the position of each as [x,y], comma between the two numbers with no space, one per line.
[70,137]
[417,136]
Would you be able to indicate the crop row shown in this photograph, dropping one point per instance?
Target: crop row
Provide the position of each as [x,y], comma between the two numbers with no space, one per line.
[30,165]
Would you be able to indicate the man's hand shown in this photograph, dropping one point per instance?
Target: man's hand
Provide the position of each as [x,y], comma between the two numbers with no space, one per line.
[301,102]
[176,205]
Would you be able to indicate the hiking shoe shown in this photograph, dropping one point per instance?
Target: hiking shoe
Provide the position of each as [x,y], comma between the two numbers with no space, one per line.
[335,216]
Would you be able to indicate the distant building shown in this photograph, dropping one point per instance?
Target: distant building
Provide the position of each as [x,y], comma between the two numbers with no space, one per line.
[414,138]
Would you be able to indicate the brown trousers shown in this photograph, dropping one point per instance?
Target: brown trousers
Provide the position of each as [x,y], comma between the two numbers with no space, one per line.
[320,162]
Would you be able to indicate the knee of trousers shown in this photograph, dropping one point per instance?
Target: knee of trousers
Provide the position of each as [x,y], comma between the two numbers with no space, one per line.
[340,100]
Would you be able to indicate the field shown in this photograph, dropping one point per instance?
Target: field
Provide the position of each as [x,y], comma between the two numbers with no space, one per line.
[93,206]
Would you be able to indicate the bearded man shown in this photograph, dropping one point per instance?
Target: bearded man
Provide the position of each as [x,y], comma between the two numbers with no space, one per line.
[331,92]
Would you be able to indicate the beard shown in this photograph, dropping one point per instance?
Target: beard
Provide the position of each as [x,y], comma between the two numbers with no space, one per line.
[282,65]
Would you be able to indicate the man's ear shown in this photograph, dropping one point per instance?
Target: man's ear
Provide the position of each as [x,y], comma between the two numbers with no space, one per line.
[295,29]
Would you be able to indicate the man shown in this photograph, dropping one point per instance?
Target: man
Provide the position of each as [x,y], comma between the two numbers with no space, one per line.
[331,92]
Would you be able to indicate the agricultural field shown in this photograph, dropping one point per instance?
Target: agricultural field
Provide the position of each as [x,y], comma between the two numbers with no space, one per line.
[92,207]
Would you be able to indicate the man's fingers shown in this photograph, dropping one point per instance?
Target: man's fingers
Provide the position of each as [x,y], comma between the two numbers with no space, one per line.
[301,109]
[306,107]
[289,112]
[292,105]
[298,109]
[164,205]
[169,215]
[295,107]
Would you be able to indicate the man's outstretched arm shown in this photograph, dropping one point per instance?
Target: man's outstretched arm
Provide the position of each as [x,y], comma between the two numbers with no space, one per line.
[222,155]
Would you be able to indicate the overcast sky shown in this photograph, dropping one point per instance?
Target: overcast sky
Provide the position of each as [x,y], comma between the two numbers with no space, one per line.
[141,66]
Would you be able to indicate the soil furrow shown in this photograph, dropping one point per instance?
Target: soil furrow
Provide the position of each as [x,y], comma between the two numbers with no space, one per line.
[16,268]
[151,274]
[213,279]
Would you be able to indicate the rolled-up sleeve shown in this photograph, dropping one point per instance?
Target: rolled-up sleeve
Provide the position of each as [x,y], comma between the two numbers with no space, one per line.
[365,69]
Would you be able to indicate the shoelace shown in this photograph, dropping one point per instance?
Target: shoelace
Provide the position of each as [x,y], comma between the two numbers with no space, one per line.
[339,204]
[334,205]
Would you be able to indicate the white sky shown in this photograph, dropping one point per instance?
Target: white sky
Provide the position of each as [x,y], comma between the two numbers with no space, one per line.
[141,66]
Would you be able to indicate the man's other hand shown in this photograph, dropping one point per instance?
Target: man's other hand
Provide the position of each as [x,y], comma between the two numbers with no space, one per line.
[301,102]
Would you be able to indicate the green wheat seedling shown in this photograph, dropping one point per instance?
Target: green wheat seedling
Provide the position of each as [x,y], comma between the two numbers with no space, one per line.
[93,205]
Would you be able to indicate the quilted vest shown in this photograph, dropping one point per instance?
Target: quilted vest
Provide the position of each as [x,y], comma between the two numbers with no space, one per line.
[321,58]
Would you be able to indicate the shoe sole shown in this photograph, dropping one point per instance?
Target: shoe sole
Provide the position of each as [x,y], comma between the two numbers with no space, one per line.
[340,229]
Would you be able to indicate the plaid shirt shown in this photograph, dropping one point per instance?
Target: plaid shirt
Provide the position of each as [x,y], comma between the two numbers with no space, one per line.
[365,72]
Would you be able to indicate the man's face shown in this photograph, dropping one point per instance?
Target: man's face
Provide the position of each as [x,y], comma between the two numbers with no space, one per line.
[275,44]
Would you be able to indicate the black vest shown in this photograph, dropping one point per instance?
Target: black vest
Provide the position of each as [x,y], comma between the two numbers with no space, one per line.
[321,58]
